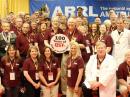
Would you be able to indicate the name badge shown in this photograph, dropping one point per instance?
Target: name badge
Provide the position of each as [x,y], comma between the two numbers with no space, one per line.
[128,80]
[36,76]
[95,50]
[97,73]
[117,42]
[88,49]
[12,76]
[50,76]
[69,73]
[6,48]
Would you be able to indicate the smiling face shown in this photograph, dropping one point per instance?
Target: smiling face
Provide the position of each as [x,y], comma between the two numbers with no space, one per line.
[73,50]
[43,27]
[33,25]
[103,29]
[71,23]
[101,49]
[33,53]
[47,53]
[120,24]
[11,52]
[25,28]
[94,27]
[5,27]
[55,22]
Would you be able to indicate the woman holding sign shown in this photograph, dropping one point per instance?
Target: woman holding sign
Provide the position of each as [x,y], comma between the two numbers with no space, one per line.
[10,64]
[75,67]
[30,71]
[49,73]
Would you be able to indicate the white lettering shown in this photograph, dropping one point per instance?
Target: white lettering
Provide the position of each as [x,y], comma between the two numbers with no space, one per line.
[91,12]
[69,11]
[57,9]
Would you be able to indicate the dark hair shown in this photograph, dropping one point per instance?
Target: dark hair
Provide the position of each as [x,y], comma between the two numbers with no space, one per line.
[44,57]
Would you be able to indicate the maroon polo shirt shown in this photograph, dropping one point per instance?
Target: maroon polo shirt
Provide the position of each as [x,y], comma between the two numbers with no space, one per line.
[94,38]
[50,33]
[16,30]
[76,64]
[122,72]
[22,44]
[76,34]
[112,28]
[40,40]
[7,70]
[53,66]
[32,38]
[29,66]
[108,41]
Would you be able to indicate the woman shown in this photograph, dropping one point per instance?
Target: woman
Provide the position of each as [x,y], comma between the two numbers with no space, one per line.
[86,50]
[94,35]
[10,63]
[33,33]
[75,67]
[49,73]
[30,71]
[105,38]
[41,37]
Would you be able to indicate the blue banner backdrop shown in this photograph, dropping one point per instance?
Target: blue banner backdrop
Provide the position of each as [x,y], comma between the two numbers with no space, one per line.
[92,8]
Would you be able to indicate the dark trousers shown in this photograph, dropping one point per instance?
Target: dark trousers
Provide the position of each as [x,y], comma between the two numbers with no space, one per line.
[89,92]
[12,91]
[31,91]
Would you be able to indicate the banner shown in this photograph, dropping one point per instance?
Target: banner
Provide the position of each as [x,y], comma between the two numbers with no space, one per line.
[92,8]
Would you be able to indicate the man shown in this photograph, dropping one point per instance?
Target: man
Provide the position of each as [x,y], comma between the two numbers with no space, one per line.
[80,12]
[113,18]
[23,40]
[18,26]
[6,37]
[100,74]
[123,75]
[121,39]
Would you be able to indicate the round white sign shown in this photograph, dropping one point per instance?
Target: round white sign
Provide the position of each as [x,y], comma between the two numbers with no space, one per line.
[59,43]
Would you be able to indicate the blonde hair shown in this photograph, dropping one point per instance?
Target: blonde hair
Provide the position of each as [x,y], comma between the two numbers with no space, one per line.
[33,47]
[126,53]
[99,43]
[78,53]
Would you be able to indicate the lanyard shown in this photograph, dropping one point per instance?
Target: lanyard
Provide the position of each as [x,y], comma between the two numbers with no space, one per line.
[99,62]
[101,37]
[119,37]
[12,63]
[71,62]
[28,38]
[49,65]
[36,64]
[6,37]
[72,35]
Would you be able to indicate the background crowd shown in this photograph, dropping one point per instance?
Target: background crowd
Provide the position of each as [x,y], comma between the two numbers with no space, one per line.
[30,68]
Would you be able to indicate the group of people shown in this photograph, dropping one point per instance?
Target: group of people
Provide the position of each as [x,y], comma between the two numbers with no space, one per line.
[96,63]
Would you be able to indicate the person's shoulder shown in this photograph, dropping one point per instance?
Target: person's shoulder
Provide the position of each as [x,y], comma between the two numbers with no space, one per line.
[127,31]
[109,56]
[27,60]
[113,32]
